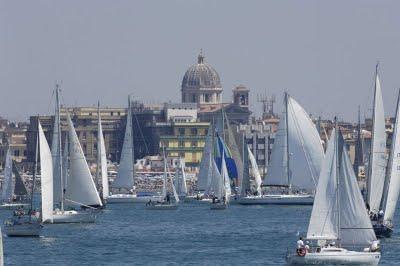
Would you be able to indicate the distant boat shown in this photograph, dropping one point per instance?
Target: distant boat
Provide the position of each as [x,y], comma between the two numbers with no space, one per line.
[295,160]
[24,223]
[13,192]
[377,157]
[383,226]
[101,173]
[248,190]
[339,224]
[180,179]
[222,188]
[166,203]
[124,182]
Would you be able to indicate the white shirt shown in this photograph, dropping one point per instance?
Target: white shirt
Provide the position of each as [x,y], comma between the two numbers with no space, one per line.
[300,243]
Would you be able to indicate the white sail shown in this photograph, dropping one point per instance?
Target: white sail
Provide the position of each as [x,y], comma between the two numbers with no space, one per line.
[323,221]
[338,211]
[176,196]
[377,162]
[226,185]
[180,178]
[46,177]
[65,163]
[304,158]
[126,170]
[81,189]
[256,172]
[245,184]
[305,148]
[102,159]
[394,170]
[205,166]
[56,152]
[7,187]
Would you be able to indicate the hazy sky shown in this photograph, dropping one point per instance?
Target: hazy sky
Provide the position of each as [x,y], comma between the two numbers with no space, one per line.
[324,53]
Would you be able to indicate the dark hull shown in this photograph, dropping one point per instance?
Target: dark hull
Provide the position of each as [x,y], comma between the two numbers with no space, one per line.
[382,231]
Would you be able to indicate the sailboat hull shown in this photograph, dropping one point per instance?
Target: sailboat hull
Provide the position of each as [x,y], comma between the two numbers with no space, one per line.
[335,258]
[161,207]
[382,231]
[72,216]
[13,206]
[22,226]
[131,198]
[278,199]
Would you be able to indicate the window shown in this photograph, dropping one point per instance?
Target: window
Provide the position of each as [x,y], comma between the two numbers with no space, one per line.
[84,148]
[84,135]
[181,131]
[16,153]
[194,144]
[194,131]
[112,113]
[193,98]
[181,144]
[206,98]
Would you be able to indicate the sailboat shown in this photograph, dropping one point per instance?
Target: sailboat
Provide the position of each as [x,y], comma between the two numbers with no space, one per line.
[21,223]
[101,173]
[165,203]
[340,230]
[1,249]
[222,188]
[180,179]
[124,182]
[13,192]
[377,158]
[383,226]
[295,160]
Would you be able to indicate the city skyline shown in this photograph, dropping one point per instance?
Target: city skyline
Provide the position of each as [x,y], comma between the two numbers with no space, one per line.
[324,54]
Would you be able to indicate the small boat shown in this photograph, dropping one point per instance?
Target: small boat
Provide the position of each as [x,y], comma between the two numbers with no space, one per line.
[13,190]
[73,216]
[383,224]
[180,180]
[26,223]
[340,231]
[124,182]
[131,198]
[165,203]
[296,159]
[222,189]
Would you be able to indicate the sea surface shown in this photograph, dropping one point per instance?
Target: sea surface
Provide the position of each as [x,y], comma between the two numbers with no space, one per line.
[127,234]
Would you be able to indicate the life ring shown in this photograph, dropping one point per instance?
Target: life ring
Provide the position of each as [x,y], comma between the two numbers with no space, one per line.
[301,252]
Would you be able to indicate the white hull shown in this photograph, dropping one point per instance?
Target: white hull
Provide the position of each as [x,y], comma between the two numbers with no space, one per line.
[278,199]
[24,229]
[131,198]
[218,206]
[336,258]
[85,216]
[13,206]
[162,207]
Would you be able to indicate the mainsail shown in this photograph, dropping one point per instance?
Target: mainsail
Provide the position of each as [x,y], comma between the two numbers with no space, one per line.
[7,187]
[46,176]
[377,161]
[19,188]
[205,165]
[81,189]
[297,152]
[180,178]
[393,188]
[56,152]
[338,212]
[255,171]
[126,170]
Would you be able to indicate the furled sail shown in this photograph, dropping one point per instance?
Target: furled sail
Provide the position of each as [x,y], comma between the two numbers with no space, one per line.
[7,186]
[377,162]
[126,170]
[81,189]
[393,188]
[46,177]
[102,160]
[338,211]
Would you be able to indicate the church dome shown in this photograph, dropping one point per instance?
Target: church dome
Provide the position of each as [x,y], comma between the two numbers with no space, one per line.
[201,75]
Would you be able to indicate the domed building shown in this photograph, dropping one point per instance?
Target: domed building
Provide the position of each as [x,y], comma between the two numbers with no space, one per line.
[201,84]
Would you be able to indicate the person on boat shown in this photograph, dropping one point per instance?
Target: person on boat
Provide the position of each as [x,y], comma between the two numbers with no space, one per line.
[224,199]
[380,215]
[168,198]
[300,243]
[148,203]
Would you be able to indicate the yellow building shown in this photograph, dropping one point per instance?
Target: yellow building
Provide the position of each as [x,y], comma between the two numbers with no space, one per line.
[187,141]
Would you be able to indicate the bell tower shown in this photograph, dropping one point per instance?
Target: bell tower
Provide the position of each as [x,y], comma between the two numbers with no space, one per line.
[241,96]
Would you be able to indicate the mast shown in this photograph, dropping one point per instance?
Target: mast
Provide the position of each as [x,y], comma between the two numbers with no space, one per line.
[98,148]
[35,168]
[132,146]
[337,177]
[287,143]
[59,145]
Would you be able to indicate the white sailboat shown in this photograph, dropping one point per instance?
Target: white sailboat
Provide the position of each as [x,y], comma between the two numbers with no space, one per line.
[295,160]
[180,179]
[165,203]
[8,197]
[339,230]
[222,188]
[21,223]
[101,173]
[377,157]
[383,226]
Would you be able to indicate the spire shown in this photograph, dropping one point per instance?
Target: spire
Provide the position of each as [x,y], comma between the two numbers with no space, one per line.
[200,58]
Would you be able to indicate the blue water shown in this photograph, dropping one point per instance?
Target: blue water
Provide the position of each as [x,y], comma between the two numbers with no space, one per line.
[127,234]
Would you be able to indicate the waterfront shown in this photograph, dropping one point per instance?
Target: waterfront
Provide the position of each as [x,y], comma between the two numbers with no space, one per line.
[193,235]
